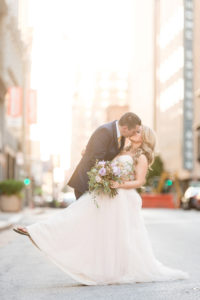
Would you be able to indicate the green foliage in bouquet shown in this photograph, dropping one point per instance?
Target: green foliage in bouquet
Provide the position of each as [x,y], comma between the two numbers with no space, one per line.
[101,175]
[99,178]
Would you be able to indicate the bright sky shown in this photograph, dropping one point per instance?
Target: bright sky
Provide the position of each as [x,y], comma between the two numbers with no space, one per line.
[71,35]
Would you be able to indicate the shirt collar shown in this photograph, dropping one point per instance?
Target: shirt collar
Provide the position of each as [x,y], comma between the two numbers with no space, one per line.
[117,128]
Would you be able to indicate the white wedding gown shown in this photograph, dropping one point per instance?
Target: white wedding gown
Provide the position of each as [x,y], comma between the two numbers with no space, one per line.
[105,245]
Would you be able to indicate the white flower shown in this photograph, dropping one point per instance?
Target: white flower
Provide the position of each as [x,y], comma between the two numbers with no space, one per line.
[98,178]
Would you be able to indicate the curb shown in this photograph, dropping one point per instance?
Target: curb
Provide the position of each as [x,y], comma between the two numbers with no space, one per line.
[16,218]
[10,222]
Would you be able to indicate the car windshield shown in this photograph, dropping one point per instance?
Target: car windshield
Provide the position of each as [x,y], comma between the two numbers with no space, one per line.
[194,184]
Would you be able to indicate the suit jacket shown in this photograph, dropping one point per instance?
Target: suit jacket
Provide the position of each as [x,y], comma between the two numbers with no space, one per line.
[102,145]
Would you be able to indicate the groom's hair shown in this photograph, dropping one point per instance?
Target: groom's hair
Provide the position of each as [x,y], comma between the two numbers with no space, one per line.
[130,120]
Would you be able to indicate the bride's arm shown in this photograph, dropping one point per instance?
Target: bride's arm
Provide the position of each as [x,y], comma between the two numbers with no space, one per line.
[140,175]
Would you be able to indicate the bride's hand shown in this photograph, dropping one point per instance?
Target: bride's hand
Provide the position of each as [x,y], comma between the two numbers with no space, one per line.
[114,184]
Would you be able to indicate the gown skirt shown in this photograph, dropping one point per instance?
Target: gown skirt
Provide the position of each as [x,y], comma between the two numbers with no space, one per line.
[102,245]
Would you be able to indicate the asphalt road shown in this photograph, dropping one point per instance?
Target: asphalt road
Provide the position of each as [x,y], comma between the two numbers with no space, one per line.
[26,274]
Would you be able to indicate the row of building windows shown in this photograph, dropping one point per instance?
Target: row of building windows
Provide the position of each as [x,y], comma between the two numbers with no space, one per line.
[172,28]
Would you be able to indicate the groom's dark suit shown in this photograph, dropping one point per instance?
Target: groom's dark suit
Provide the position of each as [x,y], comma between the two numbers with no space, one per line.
[102,145]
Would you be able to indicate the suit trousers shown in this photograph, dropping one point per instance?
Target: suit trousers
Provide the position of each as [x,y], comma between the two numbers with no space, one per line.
[78,194]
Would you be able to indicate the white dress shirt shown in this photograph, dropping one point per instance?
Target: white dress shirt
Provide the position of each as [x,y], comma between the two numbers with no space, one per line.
[117,128]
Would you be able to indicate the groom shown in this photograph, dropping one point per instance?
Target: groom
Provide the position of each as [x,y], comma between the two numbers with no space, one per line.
[104,144]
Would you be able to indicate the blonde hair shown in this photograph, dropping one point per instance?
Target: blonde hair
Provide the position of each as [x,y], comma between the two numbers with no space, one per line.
[148,143]
[147,148]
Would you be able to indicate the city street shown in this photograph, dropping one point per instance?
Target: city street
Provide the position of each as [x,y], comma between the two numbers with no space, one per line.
[175,234]
[97,96]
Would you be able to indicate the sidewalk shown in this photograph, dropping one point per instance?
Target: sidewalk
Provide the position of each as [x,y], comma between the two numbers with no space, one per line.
[8,219]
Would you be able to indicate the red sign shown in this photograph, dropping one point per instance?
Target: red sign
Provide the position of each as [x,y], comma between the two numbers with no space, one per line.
[32,107]
[14,108]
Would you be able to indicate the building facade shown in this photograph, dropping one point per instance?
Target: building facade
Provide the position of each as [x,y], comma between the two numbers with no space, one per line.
[176,85]
[196,87]
[142,64]
[12,78]
[163,85]
[169,82]
[98,99]
[3,12]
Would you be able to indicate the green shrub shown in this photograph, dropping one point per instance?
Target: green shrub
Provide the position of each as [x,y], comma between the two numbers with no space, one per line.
[11,186]
[157,169]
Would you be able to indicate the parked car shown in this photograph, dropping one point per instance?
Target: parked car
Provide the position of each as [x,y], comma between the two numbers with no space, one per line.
[191,198]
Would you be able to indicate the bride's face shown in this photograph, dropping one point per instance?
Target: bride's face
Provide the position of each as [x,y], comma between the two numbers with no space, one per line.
[128,132]
[137,137]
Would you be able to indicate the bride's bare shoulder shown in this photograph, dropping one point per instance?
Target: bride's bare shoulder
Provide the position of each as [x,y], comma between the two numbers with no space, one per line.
[142,159]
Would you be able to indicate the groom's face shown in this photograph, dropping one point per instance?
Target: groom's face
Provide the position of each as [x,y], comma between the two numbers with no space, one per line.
[130,132]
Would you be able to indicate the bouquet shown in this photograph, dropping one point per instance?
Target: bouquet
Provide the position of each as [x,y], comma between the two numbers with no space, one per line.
[100,176]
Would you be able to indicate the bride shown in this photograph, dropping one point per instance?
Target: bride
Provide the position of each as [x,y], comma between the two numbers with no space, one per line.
[109,244]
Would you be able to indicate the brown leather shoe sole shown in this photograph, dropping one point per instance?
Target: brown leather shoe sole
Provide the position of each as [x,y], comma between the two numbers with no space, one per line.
[24,233]
[21,231]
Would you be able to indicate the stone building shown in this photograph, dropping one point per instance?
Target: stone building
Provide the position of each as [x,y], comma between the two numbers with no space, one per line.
[100,98]
[12,75]
[177,85]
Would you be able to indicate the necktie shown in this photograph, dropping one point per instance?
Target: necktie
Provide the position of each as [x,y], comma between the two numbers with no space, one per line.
[119,141]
